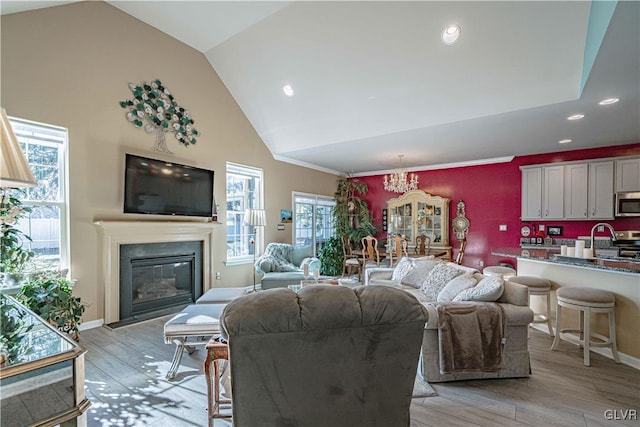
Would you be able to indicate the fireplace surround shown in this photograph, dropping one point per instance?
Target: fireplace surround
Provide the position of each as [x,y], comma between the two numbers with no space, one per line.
[114,234]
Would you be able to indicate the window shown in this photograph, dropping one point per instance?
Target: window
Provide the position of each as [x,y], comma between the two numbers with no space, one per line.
[45,149]
[244,191]
[313,221]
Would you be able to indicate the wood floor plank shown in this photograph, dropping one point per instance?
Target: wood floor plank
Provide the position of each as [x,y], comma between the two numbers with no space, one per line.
[126,383]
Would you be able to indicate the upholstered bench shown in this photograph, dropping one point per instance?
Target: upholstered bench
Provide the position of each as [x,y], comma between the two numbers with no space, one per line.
[196,323]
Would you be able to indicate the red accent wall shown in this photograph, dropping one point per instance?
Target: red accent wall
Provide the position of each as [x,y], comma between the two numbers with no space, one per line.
[492,197]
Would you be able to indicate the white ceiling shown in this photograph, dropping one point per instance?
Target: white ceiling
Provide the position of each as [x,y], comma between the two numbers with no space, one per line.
[372,79]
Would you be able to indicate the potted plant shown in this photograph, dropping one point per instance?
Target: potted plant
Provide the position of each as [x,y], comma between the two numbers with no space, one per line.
[351,217]
[13,255]
[49,295]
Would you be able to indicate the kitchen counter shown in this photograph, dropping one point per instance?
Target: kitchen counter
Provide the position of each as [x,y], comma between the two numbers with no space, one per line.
[552,256]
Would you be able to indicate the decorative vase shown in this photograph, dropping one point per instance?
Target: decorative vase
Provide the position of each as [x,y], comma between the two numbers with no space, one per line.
[161,142]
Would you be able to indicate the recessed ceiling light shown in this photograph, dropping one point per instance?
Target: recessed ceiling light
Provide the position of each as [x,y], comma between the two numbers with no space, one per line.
[451,33]
[564,141]
[288,90]
[576,117]
[609,101]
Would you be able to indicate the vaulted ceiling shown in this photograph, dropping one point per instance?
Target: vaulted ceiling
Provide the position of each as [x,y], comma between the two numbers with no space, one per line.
[373,80]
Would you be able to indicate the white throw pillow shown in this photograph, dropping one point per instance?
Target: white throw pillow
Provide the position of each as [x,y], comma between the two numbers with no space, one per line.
[457,285]
[418,274]
[488,289]
[402,268]
[437,279]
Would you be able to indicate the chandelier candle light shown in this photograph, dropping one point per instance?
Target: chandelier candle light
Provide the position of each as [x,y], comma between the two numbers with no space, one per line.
[399,182]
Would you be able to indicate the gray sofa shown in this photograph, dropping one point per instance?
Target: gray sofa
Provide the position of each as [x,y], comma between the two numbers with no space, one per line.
[326,356]
[514,303]
[282,264]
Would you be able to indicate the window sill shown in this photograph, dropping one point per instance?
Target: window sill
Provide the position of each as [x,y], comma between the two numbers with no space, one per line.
[238,261]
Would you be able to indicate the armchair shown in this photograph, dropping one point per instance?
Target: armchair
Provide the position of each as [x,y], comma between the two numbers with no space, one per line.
[327,356]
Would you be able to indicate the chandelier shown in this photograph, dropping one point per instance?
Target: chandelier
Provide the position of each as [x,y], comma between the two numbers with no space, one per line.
[399,182]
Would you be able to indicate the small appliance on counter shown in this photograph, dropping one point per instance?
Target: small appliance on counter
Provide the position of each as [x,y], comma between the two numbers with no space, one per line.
[628,243]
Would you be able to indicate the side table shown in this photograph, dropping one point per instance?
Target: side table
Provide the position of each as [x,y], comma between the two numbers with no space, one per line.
[216,351]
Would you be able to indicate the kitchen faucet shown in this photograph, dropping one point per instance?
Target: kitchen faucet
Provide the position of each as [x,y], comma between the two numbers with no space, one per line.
[593,231]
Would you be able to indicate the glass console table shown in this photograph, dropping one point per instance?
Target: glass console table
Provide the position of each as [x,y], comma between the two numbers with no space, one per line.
[42,371]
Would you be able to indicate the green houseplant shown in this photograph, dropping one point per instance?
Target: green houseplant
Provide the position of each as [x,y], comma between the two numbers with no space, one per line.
[351,217]
[13,255]
[49,295]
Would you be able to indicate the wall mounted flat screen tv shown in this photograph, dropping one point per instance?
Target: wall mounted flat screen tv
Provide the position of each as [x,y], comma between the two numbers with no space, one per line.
[166,188]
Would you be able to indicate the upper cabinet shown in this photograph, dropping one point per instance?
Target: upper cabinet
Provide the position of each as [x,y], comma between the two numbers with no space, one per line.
[418,213]
[568,191]
[628,175]
[600,190]
[542,192]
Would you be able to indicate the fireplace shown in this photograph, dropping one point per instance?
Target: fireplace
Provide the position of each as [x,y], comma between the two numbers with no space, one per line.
[158,276]
[115,234]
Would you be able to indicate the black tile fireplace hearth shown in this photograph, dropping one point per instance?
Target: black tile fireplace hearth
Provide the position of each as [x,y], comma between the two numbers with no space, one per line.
[158,276]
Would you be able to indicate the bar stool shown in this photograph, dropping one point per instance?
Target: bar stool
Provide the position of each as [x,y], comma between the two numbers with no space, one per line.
[587,301]
[541,287]
[499,271]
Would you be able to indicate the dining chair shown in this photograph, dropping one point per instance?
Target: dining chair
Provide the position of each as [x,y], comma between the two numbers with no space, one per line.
[423,244]
[351,260]
[397,248]
[370,253]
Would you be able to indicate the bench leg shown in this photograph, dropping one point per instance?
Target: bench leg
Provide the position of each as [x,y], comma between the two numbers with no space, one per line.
[177,357]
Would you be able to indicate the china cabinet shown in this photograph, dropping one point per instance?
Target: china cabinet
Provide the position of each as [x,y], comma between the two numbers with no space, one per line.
[42,372]
[418,213]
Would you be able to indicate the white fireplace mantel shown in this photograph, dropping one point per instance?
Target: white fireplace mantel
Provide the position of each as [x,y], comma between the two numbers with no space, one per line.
[114,233]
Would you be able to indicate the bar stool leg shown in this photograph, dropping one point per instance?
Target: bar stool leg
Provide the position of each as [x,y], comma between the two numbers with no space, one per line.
[612,336]
[556,339]
[586,318]
[549,314]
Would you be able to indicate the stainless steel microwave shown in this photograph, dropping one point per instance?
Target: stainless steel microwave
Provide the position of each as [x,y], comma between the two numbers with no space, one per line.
[628,204]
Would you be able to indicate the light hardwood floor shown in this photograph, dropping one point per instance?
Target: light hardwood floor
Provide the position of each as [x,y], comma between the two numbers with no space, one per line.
[126,367]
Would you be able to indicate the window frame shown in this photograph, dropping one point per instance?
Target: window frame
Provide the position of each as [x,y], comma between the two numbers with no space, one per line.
[62,203]
[255,202]
[328,201]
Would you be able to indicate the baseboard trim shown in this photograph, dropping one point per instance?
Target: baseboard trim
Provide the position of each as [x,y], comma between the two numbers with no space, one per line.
[626,359]
[90,325]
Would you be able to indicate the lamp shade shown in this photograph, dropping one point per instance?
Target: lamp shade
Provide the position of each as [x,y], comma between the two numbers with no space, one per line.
[14,169]
[255,217]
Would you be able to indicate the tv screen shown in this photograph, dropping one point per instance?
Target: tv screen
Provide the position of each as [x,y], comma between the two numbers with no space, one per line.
[166,188]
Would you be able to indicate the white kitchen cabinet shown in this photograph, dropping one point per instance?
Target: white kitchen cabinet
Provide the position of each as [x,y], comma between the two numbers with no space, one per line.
[553,192]
[576,180]
[588,190]
[600,190]
[531,193]
[542,192]
[628,175]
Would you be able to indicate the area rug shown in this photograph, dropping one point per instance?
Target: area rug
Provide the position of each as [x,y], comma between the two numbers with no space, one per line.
[422,388]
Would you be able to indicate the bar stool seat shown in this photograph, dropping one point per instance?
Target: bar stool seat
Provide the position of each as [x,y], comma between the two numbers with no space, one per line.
[499,271]
[587,301]
[540,287]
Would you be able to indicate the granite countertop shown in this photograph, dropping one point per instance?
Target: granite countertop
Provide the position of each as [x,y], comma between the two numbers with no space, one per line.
[626,265]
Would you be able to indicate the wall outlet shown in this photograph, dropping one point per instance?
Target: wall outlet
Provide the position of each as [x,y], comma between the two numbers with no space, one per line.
[481,263]
[600,228]
[502,227]
[218,275]
[541,227]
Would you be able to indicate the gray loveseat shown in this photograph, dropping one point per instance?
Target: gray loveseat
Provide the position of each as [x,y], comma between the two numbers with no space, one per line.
[283,264]
[326,356]
[513,302]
